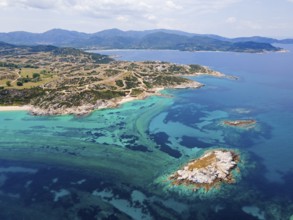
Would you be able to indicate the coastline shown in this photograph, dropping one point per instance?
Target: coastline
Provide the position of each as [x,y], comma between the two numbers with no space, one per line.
[15,108]
[101,104]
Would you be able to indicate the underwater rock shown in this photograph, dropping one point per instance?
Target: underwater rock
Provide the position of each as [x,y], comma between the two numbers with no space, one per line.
[254,211]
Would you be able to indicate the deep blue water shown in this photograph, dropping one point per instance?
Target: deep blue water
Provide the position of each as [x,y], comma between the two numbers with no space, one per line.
[92,167]
[264,91]
[265,88]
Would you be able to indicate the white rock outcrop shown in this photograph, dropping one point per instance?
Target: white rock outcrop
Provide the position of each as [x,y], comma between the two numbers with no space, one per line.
[211,167]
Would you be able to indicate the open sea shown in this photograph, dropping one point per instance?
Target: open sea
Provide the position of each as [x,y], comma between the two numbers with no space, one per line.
[115,163]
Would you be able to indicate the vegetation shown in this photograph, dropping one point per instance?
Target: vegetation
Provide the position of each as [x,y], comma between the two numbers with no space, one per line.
[19,97]
[169,80]
[19,83]
[136,92]
[66,77]
[119,83]
[197,68]
[131,82]
[36,75]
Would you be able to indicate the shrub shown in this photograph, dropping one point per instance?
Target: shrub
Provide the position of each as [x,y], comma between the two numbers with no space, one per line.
[119,83]
[19,83]
[36,75]
[8,83]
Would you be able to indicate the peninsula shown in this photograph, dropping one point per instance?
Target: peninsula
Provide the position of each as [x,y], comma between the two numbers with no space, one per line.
[209,170]
[56,81]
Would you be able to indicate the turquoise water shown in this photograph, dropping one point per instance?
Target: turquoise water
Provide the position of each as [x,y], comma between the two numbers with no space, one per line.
[112,163]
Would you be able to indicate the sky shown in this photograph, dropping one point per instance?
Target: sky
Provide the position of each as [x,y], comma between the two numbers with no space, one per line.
[229,18]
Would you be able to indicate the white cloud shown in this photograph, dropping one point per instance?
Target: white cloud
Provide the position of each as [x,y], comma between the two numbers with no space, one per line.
[172,5]
[199,16]
[122,18]
[150,17]
[3,3]
[252,25]
[210,5]
[122,5]
[42,4]
[231,20]
[123,10]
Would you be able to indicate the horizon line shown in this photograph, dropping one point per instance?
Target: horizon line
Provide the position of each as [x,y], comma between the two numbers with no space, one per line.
[156,29]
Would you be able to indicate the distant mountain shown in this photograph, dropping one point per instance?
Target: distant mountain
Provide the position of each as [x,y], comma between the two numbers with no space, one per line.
[5,45]
[18,37]
[149,39]
[161,40]
[138,34]
[256,39]
[24,50]
[58,35]
[286,41]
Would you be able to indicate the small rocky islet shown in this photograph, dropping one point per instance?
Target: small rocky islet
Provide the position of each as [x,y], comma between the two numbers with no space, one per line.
[244,123]
[208,171]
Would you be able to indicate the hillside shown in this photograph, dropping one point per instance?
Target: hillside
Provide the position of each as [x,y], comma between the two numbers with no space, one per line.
[70,81]
[150,39]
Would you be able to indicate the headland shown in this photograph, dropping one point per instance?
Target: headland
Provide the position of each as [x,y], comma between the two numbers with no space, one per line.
[58,81]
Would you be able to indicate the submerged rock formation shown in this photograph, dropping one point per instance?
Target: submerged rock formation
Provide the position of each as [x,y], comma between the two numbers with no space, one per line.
[209,170]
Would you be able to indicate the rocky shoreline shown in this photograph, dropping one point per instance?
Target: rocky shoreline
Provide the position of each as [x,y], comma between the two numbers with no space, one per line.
[100,104]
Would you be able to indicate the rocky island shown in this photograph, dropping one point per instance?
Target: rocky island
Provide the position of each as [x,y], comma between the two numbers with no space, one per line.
[56,81]
[208,171]
[248,123]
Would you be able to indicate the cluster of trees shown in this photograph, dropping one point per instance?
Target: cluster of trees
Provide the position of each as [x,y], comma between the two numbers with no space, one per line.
[17,66]
[131,82]
[169,80]
[19,96]
[35,78]
[119,83]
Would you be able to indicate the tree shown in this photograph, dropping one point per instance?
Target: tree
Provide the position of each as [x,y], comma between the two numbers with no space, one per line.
[19,83]
[8,83]
[36,75]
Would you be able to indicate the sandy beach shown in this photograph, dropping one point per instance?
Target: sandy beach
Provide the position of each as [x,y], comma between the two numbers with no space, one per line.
[14,108]
[126,99]
[154,91]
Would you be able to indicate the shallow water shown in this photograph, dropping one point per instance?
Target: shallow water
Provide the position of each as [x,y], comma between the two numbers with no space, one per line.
[112,164]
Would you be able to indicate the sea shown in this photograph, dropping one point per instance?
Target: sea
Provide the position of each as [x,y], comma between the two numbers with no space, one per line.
[115,163]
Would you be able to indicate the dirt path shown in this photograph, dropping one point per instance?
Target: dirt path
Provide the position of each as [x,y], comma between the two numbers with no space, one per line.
[13,81]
